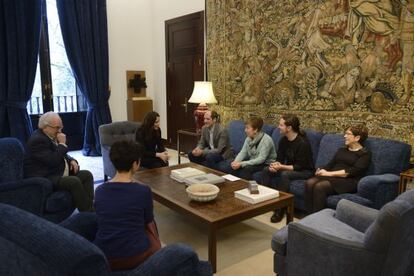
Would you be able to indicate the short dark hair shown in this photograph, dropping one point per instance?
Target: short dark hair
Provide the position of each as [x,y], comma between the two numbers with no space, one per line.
[124,153]
[359,130]
[255,123]
[215,115]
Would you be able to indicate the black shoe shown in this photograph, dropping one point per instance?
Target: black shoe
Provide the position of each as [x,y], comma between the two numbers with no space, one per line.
[278,215]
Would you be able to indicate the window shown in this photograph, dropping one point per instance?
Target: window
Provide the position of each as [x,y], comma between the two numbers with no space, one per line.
[55,87]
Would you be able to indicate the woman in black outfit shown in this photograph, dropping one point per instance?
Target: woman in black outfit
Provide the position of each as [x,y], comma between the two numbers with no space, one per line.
[342,173]
[149,135]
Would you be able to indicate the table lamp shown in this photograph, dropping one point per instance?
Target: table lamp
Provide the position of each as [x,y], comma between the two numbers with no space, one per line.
[203,95]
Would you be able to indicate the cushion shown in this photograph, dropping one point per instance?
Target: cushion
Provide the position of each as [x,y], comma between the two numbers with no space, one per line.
[325,223]
[236,135]
[59,201]
[388,156]
[276,136]
[268,129]
[314,138]
[330,143]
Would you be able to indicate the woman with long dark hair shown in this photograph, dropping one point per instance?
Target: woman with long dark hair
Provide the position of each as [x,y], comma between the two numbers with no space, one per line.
[342,173]
[293,161]
[149,135]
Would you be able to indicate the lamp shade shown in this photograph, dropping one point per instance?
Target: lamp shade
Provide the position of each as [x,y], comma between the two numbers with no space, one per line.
[202,93]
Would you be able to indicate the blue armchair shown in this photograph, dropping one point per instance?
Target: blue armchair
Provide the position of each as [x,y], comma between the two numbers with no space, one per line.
[33,246]
[111,133]
[33,194]
[353,240]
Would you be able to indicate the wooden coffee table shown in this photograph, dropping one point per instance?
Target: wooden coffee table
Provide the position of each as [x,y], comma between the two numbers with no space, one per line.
[224,210]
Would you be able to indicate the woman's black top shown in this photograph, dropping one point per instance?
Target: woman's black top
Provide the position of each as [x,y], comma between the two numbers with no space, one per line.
[152,143]
[355,163]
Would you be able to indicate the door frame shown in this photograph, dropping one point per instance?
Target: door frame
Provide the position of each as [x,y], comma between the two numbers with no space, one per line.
[187,17]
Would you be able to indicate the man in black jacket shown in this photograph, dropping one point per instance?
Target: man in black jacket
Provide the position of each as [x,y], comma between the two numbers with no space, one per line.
[46,156]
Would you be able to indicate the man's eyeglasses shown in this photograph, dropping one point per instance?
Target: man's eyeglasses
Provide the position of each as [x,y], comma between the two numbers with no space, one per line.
[55,127]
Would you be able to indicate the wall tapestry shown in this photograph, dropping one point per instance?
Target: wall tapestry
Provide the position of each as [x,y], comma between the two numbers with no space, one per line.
[332,63]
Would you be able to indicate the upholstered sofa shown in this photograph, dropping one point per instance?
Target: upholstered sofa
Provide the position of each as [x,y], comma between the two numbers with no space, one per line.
[30,245]
[374,190]
[111,133]
[351,240]
[34,194]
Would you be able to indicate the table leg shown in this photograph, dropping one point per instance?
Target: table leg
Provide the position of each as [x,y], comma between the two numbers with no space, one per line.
[289,213]
[212,247]
[178,148]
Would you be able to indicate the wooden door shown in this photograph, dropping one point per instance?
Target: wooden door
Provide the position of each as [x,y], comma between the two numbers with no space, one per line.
[185,64]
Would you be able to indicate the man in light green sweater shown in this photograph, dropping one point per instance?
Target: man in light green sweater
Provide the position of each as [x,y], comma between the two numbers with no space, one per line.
[258,151]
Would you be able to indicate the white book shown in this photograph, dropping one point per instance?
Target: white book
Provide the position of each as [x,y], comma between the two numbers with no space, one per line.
[265,193]
[176,179]
[186,172]
[231,177]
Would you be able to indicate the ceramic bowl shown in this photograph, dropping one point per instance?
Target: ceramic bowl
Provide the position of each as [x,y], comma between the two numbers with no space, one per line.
[202,192]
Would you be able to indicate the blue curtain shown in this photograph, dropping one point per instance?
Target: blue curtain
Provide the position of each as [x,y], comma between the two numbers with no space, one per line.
[85,34]
[19,48]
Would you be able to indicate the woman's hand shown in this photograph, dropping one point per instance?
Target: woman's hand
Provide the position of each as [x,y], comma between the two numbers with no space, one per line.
[274,167]
[163,156]
[235,165]
[323,172]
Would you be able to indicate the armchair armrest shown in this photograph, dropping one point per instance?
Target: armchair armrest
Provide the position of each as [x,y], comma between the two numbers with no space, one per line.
[175,259]
[355,215]
[380,189]
[279,241]
[84,224]
[46,247]
[322,239]
[28,194]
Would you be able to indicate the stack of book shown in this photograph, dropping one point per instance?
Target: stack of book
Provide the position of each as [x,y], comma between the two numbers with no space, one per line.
[181,174]
[264,194]
[208,178]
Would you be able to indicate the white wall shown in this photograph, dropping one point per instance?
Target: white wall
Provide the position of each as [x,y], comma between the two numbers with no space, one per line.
[130,48]
[137,42]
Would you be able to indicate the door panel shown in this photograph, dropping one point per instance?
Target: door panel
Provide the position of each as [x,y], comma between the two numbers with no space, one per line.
[185,64]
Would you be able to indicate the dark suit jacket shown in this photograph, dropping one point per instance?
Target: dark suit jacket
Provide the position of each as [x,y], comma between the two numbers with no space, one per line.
[221,141]
[43,157]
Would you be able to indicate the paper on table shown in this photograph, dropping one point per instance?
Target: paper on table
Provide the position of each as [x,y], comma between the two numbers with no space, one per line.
[231,177]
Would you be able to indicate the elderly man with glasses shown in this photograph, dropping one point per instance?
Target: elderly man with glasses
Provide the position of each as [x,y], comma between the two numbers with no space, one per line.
[46,156]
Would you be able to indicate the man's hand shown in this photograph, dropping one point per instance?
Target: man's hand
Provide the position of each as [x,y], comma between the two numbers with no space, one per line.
[197,152]
[74,167]
[235,165]
[61,138]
